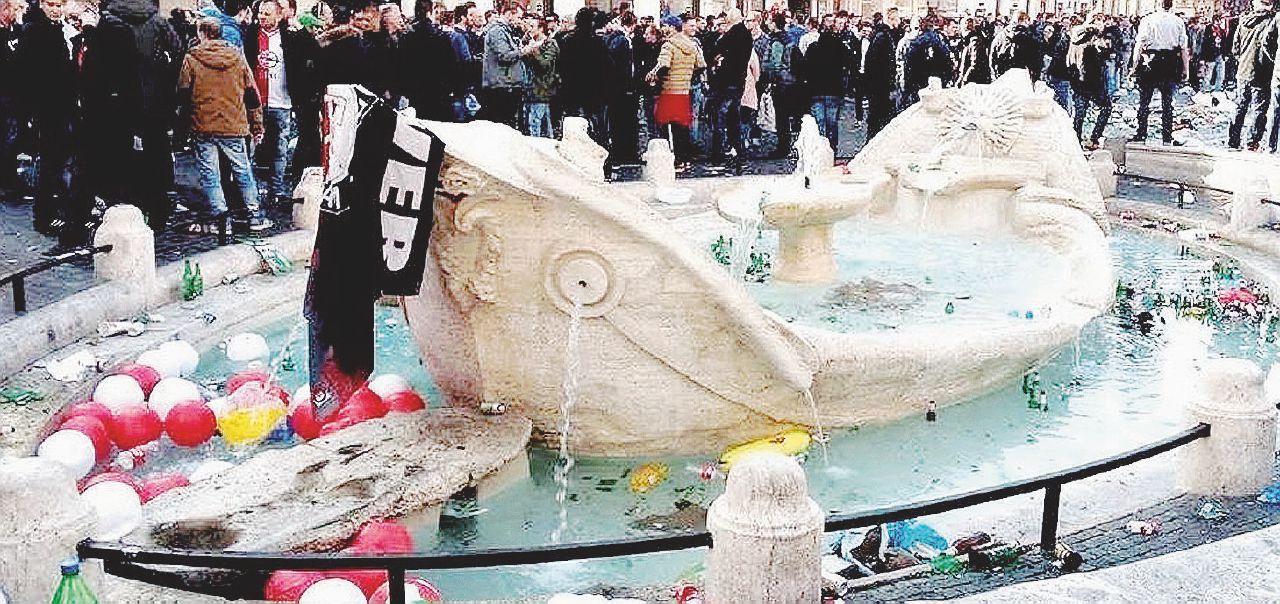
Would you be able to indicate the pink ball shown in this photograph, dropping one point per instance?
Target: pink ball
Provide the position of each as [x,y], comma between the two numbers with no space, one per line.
[422,589]
[288,585]
[95,430]
[363,405]
[404,402]
[134,425]
[190,424]
[128,479]
[244,377]
[147,377]
[303,421]
[91,409]
[161,483]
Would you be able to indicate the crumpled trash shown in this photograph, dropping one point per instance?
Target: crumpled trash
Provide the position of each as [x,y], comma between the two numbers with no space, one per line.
[1271,494]
[1144,527]
[72,368]
[969,543]
[274,259]
[906,534]
[947,564]
[107,329]
[1066,559]
[20,396]
[1212,510]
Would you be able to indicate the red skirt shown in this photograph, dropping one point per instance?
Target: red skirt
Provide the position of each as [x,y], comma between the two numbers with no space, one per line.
[673,109]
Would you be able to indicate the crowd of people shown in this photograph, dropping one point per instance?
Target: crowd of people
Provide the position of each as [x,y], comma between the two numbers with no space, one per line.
[104,94]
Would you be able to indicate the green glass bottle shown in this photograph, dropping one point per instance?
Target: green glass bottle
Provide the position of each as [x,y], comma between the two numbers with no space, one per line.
[73,589]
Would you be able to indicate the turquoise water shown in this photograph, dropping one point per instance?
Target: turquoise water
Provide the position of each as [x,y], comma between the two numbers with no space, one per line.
[1103,394]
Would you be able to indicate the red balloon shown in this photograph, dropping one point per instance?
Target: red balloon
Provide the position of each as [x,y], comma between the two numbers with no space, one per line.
[190,424]
[405,402]
[363,405]
[279,393]
[425,591]
[96,431]
[134,425]
[244,377]
[338,423]
[383,537]
[147,377]
[160,483]
[288,585]
[128,479]
[303,421]
[91,409]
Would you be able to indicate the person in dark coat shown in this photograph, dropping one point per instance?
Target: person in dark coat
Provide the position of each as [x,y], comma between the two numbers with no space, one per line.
[879,80]
[824,70]
[584,64]
[430,84]
[975,55]
[622,102]
[11,115]
[49,87]
[927,57]
[646,42]
[284,62]
[1017,47]
[350,54]
[1087,64]
[728,60]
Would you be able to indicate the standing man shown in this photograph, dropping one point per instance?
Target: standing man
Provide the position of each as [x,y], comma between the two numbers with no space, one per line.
[1017,47]
[282,60]
[880,76]
[49,86]
[219,89]
[1255,51]
[729,61]
[503,75]
[544,82]
[975,54]
[10,89]
[1087,63]
[824,75]
[624,130]
[583,67]
[1161,62]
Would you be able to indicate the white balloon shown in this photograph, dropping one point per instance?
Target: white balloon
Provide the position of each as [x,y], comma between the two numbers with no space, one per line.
[246,347]
[210,468]
[119,509]
[333,591]
[116,391]
[164,364]
[169,392]
[389,383]
[219,406]
[72,449]
[186,355]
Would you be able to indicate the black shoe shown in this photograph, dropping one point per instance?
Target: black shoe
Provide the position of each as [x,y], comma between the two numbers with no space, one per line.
[51,228]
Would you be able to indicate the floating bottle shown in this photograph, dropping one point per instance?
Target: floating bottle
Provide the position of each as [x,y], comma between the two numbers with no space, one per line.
[931,415]
[950,308]
[73,589]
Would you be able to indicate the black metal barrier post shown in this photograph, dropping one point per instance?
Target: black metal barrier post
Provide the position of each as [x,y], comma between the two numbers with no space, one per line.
[18,280]
[19,294]
[1049,521]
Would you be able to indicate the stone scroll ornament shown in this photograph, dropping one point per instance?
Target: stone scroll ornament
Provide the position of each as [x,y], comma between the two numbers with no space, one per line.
[381,169]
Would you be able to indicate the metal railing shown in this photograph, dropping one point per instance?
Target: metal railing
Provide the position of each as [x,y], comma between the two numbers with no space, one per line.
[18,279]
[126,560]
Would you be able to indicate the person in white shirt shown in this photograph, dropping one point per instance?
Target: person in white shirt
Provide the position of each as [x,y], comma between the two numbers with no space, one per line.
[273,78]
[1161,61]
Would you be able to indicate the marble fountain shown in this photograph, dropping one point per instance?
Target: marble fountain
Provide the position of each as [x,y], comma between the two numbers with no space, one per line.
[531,245]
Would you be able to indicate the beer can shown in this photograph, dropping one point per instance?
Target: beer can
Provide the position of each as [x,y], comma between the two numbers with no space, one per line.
[493,408]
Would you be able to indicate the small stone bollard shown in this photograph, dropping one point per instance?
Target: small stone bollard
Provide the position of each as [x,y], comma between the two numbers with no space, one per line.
[577,146]
[1247,210]
[310,190]
[132,258]
[766,535]
[1238,456]
[43,520]
[659,163]
[1104,171]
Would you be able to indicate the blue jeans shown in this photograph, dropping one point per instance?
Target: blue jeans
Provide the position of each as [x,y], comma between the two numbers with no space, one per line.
[726,120]
[1216,75]
[1061,93]
[826,111]
[699,99]
[1251,110]
[279,129]
[540,119]
[1113,75]
[236,149]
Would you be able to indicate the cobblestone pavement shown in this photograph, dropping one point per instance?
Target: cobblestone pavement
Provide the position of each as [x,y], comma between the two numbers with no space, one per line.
[1105,545]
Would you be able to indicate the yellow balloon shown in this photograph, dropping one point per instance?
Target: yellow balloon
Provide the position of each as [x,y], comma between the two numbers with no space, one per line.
[249,426]
[791,442]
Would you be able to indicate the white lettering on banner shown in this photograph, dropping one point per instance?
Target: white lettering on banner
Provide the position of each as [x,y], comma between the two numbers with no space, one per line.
[397,239]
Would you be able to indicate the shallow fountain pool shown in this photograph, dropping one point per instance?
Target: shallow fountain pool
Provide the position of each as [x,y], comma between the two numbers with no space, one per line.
[892,277]
[1103,395]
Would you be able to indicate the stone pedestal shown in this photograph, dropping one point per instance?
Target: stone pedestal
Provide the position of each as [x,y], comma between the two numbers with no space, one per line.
[660,163]
[43,520]
[310,190]
[1238,456]
[805,254]
[766,536]
[132,259]
[1104,170]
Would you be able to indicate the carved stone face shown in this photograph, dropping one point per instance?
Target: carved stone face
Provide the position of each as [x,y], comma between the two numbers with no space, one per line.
[397,239]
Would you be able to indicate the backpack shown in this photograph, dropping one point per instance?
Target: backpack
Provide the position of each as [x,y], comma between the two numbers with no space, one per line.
[781,61]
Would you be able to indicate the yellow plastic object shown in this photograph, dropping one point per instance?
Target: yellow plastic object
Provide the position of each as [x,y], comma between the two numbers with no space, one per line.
[648,476]
[791,442]
[249,426]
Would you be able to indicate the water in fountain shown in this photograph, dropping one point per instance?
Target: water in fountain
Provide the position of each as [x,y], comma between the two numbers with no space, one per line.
[565,463]
[743,243]
[819,434]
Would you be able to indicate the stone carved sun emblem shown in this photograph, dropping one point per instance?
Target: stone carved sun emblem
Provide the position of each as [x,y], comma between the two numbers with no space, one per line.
[986,120]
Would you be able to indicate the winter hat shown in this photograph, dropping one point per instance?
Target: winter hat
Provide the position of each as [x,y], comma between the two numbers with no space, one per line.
[673,21]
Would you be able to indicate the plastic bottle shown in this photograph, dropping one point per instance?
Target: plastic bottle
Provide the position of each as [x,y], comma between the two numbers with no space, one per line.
[73,589]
